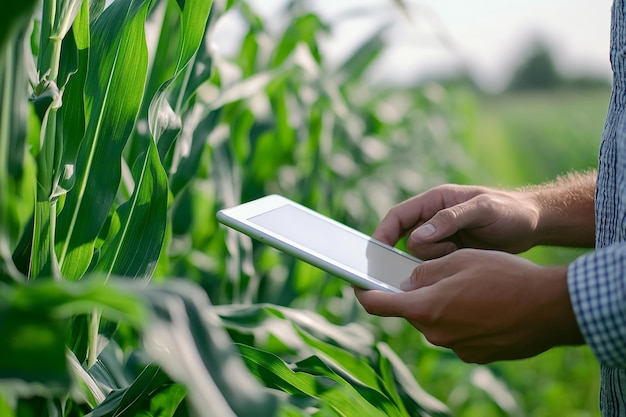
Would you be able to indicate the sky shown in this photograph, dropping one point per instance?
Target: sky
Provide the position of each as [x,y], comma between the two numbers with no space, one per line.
[487,37]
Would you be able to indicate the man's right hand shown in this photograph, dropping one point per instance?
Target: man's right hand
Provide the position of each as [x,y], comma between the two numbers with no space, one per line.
[450,217]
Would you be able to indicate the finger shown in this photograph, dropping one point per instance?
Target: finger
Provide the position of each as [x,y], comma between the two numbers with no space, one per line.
[429,273]
[391,229]
[404,217]
[381,303]
[432,250]
[449,221]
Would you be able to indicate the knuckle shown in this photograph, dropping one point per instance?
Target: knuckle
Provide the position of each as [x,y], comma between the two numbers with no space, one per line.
[447,187]
[422,275]
[449,215]
[418,276]
[485,202]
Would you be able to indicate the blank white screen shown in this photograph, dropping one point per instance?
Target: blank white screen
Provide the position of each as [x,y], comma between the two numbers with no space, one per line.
[333,242]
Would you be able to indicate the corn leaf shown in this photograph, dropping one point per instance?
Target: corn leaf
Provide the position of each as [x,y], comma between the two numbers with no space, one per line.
[194,15]
[13,135]
[33,349]
[152,393]
[185,338]
[33,334]
[303,29]
[113,93]
[301,353]
[318,365]
[364,55]
[416,400]
[167,106]
[188,167]
[133,247]
[14,17]
[278,375]
[74,61]
[160,72]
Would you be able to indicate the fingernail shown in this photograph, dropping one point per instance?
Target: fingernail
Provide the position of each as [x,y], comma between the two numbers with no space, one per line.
[423,231]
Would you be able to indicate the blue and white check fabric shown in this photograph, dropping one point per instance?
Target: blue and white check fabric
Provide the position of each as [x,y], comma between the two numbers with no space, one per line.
[597,281]
[598,286]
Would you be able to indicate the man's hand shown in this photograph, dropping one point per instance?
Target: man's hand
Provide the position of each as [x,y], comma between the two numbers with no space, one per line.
[450,217]
[484,305]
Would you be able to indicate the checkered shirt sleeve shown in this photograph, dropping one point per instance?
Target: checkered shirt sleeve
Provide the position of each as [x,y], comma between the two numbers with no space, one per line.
[597,286]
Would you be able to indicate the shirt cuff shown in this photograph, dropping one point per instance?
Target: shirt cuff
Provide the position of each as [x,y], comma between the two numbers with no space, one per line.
[597,289]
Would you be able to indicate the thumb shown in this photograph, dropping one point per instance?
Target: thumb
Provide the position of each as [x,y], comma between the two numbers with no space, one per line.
[444,223]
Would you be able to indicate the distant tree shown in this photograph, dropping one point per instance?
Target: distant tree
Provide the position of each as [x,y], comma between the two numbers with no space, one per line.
[537,72]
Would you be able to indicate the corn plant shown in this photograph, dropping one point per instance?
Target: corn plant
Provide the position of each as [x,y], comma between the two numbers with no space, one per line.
[122,130]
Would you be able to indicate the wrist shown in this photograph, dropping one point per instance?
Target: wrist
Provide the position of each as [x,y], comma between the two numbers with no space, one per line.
[565,211]
[558,316]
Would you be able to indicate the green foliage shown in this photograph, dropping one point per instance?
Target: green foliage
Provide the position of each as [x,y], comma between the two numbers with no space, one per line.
[118,144]
[344,371]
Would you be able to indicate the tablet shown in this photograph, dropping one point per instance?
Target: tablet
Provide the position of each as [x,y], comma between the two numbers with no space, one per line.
[322,242]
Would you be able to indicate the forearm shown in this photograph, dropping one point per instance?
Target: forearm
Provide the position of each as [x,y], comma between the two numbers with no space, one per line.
[566,210]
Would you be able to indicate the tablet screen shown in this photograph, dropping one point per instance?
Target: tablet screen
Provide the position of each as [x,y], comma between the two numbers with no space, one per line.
[350,250]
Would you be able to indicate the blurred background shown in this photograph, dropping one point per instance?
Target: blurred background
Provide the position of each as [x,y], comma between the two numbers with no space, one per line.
[486,40]
[391,98]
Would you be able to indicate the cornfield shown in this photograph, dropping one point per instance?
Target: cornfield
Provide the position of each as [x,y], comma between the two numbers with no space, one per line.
[124,128]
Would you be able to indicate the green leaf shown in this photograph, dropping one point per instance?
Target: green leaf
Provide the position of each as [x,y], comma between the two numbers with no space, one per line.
[188,166]
[14,112]
[161,70]
[277,374]
[14,107]
[109,371]
[302,29]
[113,92]
[317,365]
[177,90]
[33,334]
[15,16]
[90,387]
[33,347]
[355,65]
[186,338]
[151,393]
[416,400]
[80,28]
[135,246]
[354,366]
[43,258]
[165,125]
[64,299]
[194,15]
[72,115]
[292,350]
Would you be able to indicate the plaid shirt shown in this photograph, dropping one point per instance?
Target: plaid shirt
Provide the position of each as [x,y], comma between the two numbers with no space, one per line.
[597,282]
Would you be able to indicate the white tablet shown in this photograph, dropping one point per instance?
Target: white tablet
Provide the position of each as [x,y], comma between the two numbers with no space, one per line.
[322,242]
